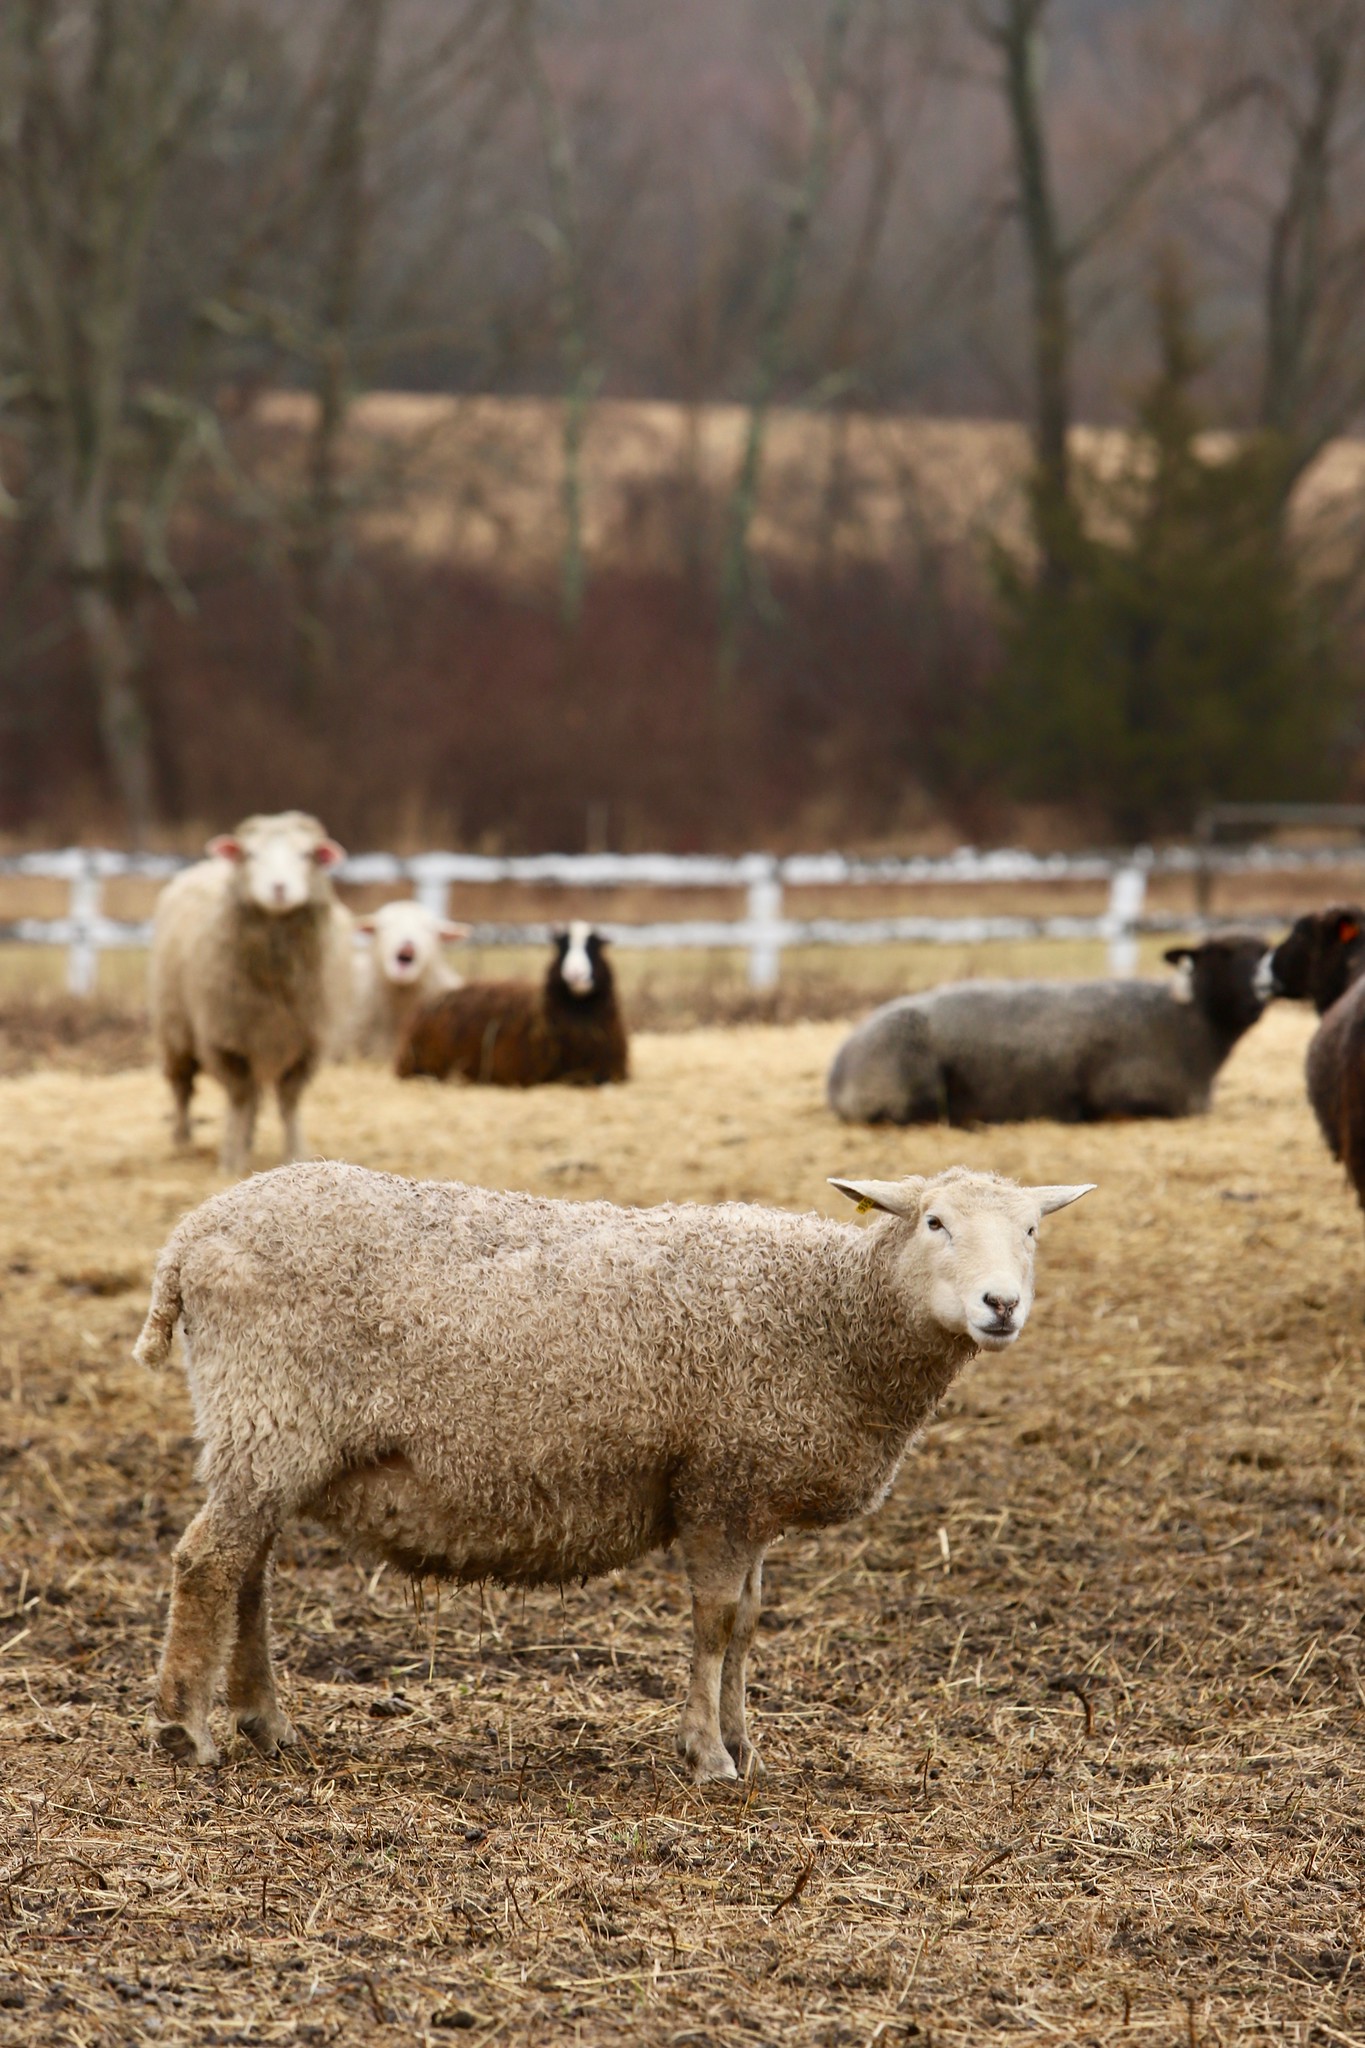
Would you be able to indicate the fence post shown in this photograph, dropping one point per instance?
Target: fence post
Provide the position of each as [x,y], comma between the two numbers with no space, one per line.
[82,960]
[1127,894]
[765,924]
[432,890]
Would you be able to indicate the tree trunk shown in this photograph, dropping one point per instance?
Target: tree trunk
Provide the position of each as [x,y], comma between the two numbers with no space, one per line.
[1021,48]
[113,645]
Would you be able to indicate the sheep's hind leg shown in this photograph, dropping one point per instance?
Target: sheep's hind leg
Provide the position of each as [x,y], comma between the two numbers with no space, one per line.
[719,1571]
[215,1555]
[181,1068]
[734,1727]
[252,1698]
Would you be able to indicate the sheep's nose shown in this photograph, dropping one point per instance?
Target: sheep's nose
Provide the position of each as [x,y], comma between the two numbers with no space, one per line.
[279,892]
[1003,1304]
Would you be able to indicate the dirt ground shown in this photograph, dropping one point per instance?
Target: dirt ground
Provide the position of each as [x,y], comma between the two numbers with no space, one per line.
[1065,1741]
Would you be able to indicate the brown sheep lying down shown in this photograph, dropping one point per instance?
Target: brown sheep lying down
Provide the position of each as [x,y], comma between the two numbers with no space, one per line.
[514,1034]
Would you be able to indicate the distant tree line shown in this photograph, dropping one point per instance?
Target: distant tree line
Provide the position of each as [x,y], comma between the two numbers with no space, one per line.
[1148,212]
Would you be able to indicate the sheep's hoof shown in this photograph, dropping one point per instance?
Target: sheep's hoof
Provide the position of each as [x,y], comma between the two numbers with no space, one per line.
[748,1762]
[183,1744]
[267,1731]
[706,1758]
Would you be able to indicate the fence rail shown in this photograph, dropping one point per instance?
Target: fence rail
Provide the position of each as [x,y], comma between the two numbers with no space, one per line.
[763,932]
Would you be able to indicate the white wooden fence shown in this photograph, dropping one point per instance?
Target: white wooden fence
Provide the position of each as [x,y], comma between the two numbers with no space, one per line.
[763,931]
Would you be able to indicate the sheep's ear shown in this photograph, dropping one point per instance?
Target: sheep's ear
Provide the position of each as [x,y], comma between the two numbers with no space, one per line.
[328,854]
[224,847]
[896,1197]
[1049,1199]
[1182,959]
[450,932]
[1347,928]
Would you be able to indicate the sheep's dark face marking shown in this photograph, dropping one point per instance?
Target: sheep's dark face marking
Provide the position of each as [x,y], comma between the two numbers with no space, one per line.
[969,1241]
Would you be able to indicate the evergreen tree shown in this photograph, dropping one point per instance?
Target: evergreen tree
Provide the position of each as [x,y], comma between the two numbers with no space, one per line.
[1182,657]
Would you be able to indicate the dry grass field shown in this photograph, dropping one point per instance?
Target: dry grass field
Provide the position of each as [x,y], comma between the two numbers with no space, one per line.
[477,480]
[1064,1743]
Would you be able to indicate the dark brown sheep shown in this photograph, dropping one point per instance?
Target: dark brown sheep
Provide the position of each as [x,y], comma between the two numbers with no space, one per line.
[1318,961]
[1336,1082]
[515,1035]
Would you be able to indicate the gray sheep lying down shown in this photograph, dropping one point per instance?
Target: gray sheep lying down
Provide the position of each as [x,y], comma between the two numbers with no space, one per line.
[478,1385]
[1075,1051]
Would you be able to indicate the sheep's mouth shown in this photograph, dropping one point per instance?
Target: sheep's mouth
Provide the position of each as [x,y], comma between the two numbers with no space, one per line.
[1265,984]
[996,1336]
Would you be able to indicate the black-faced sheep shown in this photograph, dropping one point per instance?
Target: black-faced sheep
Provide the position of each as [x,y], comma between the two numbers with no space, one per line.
[1316,963]
[515,1035]
[478,1385]
[251,973]
[1002,1051]
[401,969]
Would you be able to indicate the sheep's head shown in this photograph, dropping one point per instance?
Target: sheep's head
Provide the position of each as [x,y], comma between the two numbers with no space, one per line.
[1317,961]
[967,1242]
[407,939]
[580,958]
[1222,977]
[281,861]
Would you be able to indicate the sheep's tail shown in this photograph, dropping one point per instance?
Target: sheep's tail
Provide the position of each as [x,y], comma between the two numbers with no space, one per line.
[153,1347]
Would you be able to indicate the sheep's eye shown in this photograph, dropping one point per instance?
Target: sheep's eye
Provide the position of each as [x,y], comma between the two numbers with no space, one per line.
[934,1222]
[1033,1230]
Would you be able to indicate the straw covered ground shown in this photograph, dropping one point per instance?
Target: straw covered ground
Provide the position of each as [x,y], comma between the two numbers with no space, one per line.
[1065,1742]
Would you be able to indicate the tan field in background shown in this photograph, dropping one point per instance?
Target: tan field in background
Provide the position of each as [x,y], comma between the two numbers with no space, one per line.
[1065,1740]
[476,481]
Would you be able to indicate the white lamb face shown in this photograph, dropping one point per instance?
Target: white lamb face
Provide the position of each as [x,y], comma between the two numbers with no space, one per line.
[278,860]
[969,1241]
[406,942]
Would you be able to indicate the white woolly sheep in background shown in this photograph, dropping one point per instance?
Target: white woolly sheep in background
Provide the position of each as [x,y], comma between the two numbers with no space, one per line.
[478,1385]
[251,973]
[399,970]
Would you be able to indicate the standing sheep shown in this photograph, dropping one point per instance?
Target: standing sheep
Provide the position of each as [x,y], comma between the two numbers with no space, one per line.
[1322,955]
[398,972]
[1002,1051]
[1322,961]
[251,973]
[516,1035]
[478,1385]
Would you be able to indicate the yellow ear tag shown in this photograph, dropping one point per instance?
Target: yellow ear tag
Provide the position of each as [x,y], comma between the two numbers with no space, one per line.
[864,1206]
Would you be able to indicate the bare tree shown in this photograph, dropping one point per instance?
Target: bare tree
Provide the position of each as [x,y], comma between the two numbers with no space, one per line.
[1016,30]
[1313,96]
[96,98]
[560,229]
[783,281]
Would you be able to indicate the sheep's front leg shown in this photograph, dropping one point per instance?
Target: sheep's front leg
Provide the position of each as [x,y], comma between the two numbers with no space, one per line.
[719,1571]
[288,1091]
[215,1555]
[243,1096]
[734,1727]
[252,1698]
